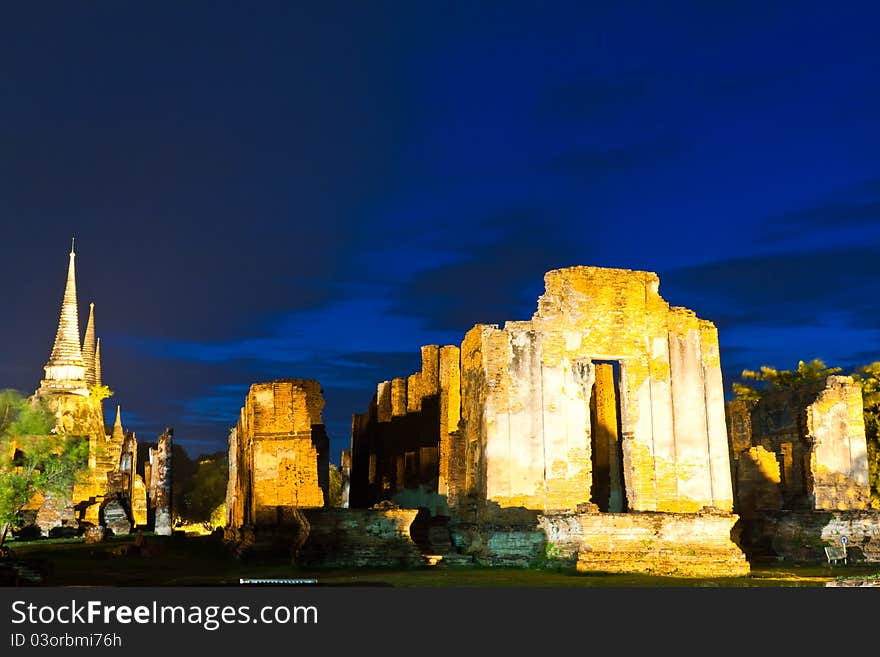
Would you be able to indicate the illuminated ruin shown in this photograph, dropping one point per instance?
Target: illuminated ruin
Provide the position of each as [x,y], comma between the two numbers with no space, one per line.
[112,492]
[599,423]
[801,471]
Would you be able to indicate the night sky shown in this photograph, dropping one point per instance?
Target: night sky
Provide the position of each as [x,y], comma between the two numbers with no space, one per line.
[267,190]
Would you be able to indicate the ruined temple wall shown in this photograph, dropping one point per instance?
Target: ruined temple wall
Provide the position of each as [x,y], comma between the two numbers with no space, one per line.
[512,399]
[277,453]
[839,461]
[514,417]
[531,420]
[816,434]
[285,459]
[79,415]
[401,448]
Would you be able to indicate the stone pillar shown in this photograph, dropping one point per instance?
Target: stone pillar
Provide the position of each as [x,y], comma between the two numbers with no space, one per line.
[450,412]
[162,474]
[692,463]
[383,401]
[719,445]
[138,502]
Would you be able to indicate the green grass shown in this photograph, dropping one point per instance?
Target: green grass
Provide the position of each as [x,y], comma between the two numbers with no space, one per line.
[204,561]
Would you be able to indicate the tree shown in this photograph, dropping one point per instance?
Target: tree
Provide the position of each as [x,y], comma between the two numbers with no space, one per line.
[207,489]
[33,460]
[100,391]
[774,379]
[183,469]
[335,492]
[869,377]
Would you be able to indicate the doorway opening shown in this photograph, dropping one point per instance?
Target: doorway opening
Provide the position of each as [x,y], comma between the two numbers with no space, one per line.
[608,491]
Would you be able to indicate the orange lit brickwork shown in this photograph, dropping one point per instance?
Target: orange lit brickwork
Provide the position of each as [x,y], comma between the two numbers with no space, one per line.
[278,454]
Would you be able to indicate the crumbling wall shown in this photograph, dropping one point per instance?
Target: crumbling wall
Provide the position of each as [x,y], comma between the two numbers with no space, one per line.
[358,538]
[839,458]
[802,536]
[816,435]
[401,448]
[758,481]
[83,416]
[526,392]
[279,454]
[509,413]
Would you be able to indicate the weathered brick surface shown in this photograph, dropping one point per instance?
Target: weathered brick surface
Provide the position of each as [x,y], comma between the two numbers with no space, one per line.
[359,538]
[402,447]
[278,454]
[607,399]
[686,545]
[526,391]
[816,433]
[678,544]
[139,513]
[758,481]
[801,536]
[115,517]
[160,484]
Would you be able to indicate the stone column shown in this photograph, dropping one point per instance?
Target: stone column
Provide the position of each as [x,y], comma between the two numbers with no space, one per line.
[162,474]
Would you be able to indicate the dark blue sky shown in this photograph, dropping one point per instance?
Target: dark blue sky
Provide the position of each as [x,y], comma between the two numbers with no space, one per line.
[276,190]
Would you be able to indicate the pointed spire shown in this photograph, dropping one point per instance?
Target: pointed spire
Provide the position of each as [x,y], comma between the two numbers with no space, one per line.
[98,362]
[89,348]
[66,369]
[66,349]
[118,433]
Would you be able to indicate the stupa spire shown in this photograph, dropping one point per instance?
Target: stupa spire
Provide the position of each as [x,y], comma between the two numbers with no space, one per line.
[89,348]
[98,362]
[66,349]
[66,369]
[118,433]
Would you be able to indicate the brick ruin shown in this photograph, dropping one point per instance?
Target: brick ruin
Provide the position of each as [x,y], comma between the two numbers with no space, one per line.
[402,446]
[607,405]
[277,496]
[160,484]
[800,470]
[593,436]
[278,454]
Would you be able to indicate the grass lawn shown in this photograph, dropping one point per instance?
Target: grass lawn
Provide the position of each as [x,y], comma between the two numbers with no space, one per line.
[204,561]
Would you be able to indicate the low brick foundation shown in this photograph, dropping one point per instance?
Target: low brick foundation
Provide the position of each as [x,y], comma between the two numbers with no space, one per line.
[341,538]
[681,544]
[676,544]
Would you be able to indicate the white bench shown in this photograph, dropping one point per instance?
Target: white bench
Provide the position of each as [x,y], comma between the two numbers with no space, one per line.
[835,554]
